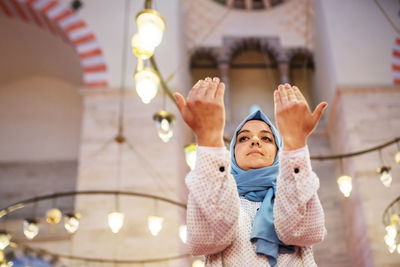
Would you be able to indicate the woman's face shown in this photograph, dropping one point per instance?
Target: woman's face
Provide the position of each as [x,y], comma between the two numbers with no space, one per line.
[255,146]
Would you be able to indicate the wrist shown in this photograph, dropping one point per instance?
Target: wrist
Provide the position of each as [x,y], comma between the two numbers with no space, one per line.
[211,140]
[293,144]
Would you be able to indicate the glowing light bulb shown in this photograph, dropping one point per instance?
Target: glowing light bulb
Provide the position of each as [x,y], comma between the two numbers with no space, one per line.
[394,219]
[53,216]
[164,121]
[4,239]
[198,263]
[391,231]
[151,27]
[71,222]
[147,82]
[386,177]
[31,228]
[345,184]
[155,224]
[389,240]
[140,48]
[397,157]
[190,155]
[183,233]
[116,221]
[392,248]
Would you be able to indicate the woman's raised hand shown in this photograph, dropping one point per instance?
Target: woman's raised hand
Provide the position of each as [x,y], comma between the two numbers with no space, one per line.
[204,111]
[293,117]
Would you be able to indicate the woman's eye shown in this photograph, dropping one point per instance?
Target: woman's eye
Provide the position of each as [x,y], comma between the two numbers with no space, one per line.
[266,138]
[243,138]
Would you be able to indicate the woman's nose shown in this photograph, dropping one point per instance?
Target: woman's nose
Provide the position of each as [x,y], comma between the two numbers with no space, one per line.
[255,141]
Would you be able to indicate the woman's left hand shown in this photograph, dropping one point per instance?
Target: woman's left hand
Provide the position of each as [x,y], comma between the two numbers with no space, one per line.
[293,117]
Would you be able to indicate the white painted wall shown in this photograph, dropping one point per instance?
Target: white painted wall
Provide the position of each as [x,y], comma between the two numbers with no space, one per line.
[40,120]
[361,40]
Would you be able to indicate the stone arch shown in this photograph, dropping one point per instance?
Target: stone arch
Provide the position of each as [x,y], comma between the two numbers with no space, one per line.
[61,21]
[199,52]
[291,53]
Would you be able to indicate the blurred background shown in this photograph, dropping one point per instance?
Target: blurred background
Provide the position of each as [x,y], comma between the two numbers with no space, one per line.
[85,107]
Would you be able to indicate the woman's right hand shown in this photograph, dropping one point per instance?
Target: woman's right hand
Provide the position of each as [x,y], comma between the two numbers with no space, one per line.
[204,111]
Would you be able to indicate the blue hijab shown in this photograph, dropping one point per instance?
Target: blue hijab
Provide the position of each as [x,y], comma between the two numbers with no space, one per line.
[259,185]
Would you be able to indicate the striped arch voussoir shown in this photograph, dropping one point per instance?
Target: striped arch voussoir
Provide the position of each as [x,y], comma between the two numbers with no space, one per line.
[60,20]
[396,62]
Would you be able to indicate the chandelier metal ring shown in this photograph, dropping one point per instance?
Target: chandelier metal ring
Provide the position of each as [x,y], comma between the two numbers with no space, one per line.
[16,206]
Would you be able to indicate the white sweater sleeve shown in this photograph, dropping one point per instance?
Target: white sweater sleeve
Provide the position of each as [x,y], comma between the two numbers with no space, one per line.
[299,217]
[213,202]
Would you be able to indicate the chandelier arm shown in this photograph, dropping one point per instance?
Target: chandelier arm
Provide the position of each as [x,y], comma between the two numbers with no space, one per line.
[98,260]
[387,17]
[348,155]
[162,82]
[386,212]
[22,204]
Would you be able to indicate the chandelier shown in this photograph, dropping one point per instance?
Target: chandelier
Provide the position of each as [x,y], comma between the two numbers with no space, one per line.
[54,216]
[391,222]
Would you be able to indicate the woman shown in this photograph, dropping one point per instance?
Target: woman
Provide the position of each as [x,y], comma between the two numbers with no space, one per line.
[266,212]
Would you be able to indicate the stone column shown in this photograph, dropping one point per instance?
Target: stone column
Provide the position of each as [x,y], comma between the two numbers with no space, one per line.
[284,71]
[224,70]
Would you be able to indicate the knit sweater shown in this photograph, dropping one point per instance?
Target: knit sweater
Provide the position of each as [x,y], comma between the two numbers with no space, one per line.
[219,222]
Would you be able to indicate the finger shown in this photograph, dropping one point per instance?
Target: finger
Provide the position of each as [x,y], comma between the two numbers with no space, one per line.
[283,95]
[194,89]
[212,88]
[291,96]
[298,94]
[198,91]
[219,94]
[318,112]
[205,87]
[277,100]
[180,101]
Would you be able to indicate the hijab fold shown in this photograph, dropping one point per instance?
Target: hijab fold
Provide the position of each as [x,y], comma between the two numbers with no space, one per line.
[258,185]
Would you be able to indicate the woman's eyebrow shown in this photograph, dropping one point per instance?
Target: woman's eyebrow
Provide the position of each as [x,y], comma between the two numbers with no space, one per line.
[265,131]
[243,131]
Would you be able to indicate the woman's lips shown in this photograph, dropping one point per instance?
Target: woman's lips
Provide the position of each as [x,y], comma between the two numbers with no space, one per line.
[255,152]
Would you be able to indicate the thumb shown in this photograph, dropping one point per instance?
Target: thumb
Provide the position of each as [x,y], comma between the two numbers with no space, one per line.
[318,111]
[180,101]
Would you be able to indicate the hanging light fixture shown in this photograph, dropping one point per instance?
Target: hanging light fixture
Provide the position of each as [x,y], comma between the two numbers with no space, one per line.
[4,239]
[140,48]
[198,263]
[151,27]
[3,261]
[397,157]
[147,82]
[53,216]
[155,224]
[164,121]
[384,171]
[31,228]
[190,155]
[71,222]
[6,264]
[345,184]
[386,177]
[115,221]
[392,233]
[183,233]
